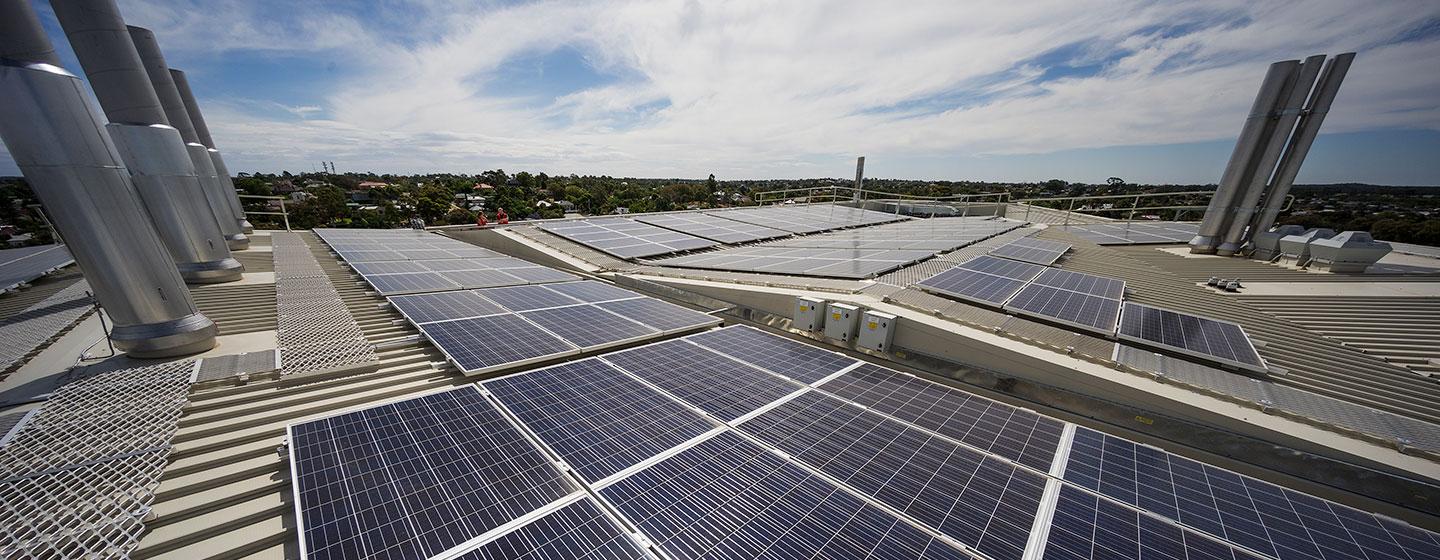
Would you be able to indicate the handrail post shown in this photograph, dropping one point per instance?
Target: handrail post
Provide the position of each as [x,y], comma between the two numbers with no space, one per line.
[285,214]
[1069,210]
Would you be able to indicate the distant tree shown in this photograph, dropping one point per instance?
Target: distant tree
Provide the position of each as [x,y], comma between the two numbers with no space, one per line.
[1115,182]
[710,186]
[525,180]
[432,202]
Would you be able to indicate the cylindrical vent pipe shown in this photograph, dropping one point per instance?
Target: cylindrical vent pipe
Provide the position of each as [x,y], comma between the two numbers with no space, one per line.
[1217,215]
[158,76]
[203,132]
[1305,133]
[61,147]
[1292,102]
[859,177]
[151,149]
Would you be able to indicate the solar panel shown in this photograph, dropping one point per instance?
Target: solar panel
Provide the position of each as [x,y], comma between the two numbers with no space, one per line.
[578,530]
[440,306]
[712,227]
[484,343]
[390,284]
[1133,233]
[414,478]
[526,298]
[709,381]
[591,291]
[1032,251]
[1219,341]
[807,219]
[931,234]
[980,501]
[664,316]
[801,261]
[727,498]
[389,267]
[1087,528]
[1015,434]
[796,360]
[537,274]
[599,420]
[369,245]
[1004,268]
[414,276]
[962,283]
[1080,282]
[626,238]
[18,266]
[1075,309]
[1261,516]
[588,326]
[482,278]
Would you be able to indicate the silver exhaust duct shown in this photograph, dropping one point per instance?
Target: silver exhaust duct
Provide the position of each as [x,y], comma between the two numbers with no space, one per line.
[203,132]
[152,150]
[1217,215]
[1292,102]
[859,177]
[215,191]
[60,145]
[1305,132]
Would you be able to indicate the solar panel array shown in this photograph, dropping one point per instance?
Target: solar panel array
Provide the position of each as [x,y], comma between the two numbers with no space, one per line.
[735,443]
[1202,337]
[1032,251]
[1134,233]
[18,266]
[376,245]
[807,218]
[711,227]
[626,238]
[931,234]
[1083,301]
[493,328]
[801,261]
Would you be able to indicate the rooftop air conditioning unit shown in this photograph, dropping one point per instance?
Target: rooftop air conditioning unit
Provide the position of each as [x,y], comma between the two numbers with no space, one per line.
[1298,246]
[1267,244]
[1352,251]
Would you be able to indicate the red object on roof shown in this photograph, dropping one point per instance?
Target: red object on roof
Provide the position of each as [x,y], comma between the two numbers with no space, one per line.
[501,217]
[480,219]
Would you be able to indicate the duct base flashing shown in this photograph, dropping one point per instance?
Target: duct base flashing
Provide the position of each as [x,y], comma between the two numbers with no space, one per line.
[212,272]
[1204,244]
[187,335]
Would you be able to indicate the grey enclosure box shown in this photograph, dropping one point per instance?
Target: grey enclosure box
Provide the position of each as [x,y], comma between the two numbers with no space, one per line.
[840,320]
[808,314]
[876,331]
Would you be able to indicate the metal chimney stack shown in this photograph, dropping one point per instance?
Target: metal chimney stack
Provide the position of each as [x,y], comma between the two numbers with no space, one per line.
[71,164]
[1305,132]
[159,167]
[859,177]
[1242,159]
[203,132]
[214,189]
[1292,102]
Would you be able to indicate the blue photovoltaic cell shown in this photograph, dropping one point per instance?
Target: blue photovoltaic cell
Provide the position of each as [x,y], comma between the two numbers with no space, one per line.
[485,342]
[967,284]
[718,385]
[1222,341]
[978,500]
[1258,515]
[412,282]
[415,478]
[525,298]
[1073,308]
[423,308]
[588,326]
[1014,270]
[658,314]
[597,418]
[540,274]
[1019,435]
[1088,528]
[1090,284]
[388,267]
[727,498]
[578,531]
[1032,250]
[591,291]
[796,360]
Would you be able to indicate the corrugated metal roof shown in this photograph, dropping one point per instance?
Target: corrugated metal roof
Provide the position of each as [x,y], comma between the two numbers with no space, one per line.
[1401,330]
[1201,268]
[1311,361]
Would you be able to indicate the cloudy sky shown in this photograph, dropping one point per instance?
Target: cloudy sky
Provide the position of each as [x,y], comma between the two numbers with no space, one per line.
[1009,91]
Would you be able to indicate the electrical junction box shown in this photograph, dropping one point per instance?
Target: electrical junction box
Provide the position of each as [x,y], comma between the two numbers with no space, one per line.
[876,331]
[809,314]
[840,320]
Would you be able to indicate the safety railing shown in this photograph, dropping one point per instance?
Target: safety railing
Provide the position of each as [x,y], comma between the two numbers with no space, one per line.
[284,214]
[1134,207]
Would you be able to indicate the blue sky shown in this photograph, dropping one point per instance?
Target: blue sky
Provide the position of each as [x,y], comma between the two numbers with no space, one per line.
[1077,90]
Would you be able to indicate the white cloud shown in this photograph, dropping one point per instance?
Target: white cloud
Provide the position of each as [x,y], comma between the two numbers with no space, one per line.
[748,88]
